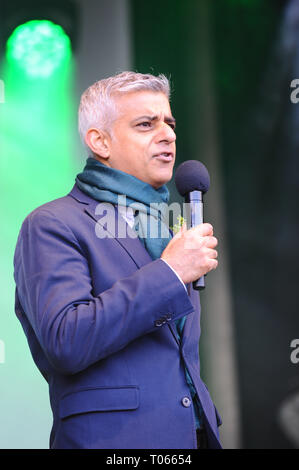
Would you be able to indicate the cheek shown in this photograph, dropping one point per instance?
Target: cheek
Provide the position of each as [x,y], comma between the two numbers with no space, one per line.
[135,157]
[140,151]
[134,151]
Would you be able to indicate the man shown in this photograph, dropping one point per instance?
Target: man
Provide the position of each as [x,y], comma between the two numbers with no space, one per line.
[112,320]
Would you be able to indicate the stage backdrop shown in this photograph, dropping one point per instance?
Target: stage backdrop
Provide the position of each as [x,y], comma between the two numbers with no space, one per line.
[232,65]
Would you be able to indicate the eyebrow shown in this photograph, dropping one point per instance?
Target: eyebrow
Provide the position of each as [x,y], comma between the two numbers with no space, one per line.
[168,119]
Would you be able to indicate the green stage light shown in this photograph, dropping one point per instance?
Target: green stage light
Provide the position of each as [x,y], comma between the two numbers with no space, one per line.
[39,47]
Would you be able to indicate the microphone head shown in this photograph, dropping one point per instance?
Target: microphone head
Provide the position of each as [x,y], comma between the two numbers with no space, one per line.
[192,175]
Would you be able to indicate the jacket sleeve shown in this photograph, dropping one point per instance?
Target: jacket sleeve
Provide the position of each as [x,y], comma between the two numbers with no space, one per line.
[73,327]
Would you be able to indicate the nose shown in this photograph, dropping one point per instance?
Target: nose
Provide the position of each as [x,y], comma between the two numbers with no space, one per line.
[167,134]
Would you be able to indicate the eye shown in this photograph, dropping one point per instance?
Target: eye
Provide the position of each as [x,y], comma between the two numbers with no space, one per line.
[144,124]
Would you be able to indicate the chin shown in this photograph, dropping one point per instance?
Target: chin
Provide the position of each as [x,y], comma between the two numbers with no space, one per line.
[158,183]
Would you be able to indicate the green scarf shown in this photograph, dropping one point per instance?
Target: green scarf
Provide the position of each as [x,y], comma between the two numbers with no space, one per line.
[106,184]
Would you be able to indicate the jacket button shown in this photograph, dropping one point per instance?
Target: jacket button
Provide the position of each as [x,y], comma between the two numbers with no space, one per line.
[169,317]
[186,402]
[158,323]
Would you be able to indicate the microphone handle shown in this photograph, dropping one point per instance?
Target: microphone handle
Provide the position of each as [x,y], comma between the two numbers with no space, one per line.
[195,200]
[199,284]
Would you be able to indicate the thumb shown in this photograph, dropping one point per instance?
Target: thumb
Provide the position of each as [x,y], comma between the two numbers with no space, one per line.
[183,228]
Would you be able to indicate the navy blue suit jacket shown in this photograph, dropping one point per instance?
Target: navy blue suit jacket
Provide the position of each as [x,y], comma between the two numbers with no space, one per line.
[99,315]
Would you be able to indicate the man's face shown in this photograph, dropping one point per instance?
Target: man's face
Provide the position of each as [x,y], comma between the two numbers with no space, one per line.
[142,141]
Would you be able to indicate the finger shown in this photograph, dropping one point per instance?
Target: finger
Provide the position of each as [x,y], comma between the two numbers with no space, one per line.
[204,230]
[195,239]
[210,242]
[212,254]
[213,264]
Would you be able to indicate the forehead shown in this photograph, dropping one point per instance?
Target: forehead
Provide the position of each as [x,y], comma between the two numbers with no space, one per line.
[142,102]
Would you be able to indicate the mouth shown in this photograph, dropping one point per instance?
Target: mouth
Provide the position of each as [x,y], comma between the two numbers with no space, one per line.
[164,157]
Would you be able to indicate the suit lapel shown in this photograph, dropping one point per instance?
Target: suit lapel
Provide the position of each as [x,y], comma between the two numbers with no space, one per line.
[121,231]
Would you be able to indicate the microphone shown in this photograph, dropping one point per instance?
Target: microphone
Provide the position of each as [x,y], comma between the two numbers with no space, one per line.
[192,181]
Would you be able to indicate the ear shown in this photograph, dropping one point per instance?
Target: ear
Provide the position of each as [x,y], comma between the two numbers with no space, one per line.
[98,142]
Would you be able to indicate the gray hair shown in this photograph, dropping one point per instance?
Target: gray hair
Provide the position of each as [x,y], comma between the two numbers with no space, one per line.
[97,106]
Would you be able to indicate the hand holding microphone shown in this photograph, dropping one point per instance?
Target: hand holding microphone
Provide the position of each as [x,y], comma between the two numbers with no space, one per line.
[191,253]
